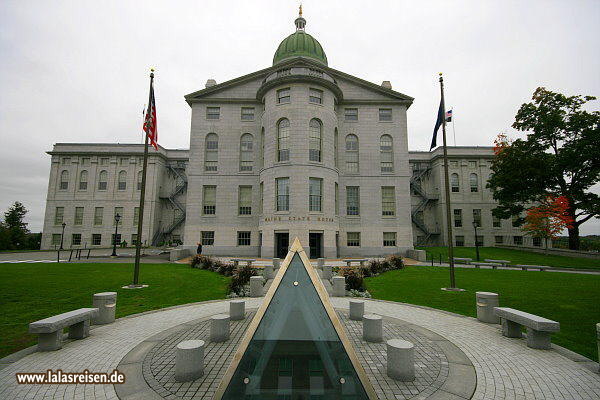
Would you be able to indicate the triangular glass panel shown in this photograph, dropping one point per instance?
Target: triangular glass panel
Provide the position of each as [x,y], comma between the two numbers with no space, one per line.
[295,351]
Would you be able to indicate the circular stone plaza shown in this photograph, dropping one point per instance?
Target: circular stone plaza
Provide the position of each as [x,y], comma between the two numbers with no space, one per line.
[300,335]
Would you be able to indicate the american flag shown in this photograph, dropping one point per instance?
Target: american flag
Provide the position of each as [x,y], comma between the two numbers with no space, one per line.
[449,116]
[150,120]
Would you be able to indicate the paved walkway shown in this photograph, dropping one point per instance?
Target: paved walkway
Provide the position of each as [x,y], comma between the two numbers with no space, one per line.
[506,368]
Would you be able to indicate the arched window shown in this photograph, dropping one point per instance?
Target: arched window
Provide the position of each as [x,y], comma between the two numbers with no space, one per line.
[335,147]
[474,183]
[122,181]
[283,136]
[102,180]
[387,153]
[246,152]
[138,184]
[83,180]
[351,154]
[454,183]
[314,145]
[262,147]
[64,180]
[211,152]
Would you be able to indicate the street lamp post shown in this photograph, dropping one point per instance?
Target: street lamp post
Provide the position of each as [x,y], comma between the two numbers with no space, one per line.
[476,242]
[117,219]
[62,236]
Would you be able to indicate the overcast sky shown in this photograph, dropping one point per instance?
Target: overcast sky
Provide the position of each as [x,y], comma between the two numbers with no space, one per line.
[77,71]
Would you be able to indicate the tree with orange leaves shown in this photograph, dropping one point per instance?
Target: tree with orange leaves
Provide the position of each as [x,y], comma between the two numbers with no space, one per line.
[549,219]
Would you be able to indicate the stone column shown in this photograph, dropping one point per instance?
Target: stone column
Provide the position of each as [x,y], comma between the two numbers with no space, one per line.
[486,301]
[237,309]
[219,328]
[357,309]
[106,303]
[339,286]
[189,360]
[400,360]
[256,286]
[372,328]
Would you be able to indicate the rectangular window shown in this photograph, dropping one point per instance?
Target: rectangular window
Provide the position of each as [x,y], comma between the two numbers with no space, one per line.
[477,217]
[136,216]
[78,220]
[119,212]
[496,222]
[459,241]
[243,238]
[76,239]
[96,239]
[56,239]
[104,161]
[245,200]
[352,200]
[213,112]
[59,215]
[315,96]
[123,161]
[537,241]
[337,200]
[389,238]
[479,240]
[385,114]
[315,189]
[283,194]
[262,198]
[353,239]
[98,214]
[85,161]
[498,239]
[457,218]
[351,161]
[388,200]
[518,240]
[247,113]
[246,153]
[351,114]
[283,96]
[208,238]
[115,239]
[209,200]
[134,239]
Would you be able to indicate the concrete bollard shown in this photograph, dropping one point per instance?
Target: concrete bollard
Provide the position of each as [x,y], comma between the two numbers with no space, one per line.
[357,309]
[219,328]
[339,286]
[189,360]
[327,272]
[268,272]
[486,301]
[320,263]
[276,263]
[106,303]
[237,309]
[372,328]
[256,286]
[400,360]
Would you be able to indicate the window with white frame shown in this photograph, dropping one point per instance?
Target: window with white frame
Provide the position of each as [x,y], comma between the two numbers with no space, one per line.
[350,114]
[385,114]
[458,218]
[282,186]
[213,112]
[76,239]
[496,222]
[209,200]
[102,180]
[386,151]
[122,180]
[59,215]
[243,238]
[78,218]
[56,239]
[64,180]
[83,180]
[353,239]
[96,239]
[388,200]
[246,152]
[352,155]
[315,189]
[455,183]
[247,114]
[245,200]
[389,239]
[208,238]
[98,215]
[315,140]
[352,200]
[211,152]
[283,96]
[459,241]
[474,183]
[315,96]
[283,136]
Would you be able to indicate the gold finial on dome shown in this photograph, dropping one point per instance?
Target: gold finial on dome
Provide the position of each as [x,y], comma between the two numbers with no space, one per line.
[300,12]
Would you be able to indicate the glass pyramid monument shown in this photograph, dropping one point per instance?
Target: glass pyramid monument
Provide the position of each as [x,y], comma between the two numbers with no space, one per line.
[295,347]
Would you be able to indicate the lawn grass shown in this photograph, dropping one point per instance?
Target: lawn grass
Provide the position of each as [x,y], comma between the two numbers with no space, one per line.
[514,256]
[30,292]
[571,299]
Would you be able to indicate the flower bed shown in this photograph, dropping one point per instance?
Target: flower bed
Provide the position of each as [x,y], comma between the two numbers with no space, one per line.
[240,276]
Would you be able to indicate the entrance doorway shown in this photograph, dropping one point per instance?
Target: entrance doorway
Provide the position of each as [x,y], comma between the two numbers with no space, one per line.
[282,243]
[315,242]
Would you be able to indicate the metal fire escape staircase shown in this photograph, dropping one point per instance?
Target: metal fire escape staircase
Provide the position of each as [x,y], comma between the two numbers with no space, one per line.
[180,187]
[426,199]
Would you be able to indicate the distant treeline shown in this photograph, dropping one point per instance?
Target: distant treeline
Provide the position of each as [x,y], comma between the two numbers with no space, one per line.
[587,243]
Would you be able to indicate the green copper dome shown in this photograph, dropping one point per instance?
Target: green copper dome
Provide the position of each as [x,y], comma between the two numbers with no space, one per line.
[300,44]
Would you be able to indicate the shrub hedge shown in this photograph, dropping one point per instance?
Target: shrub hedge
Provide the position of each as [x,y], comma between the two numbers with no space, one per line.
[240,277]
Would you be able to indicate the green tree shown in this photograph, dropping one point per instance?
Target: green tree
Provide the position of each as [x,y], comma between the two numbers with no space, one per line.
[14,230]
[558,157]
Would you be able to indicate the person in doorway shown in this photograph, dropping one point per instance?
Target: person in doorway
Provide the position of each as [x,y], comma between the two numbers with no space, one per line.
[199,249]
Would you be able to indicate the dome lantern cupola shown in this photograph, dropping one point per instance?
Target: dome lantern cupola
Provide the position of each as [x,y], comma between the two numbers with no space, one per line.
[300,44]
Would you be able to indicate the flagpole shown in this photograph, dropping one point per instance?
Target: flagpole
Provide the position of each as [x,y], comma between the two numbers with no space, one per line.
[447,190]
[138,245]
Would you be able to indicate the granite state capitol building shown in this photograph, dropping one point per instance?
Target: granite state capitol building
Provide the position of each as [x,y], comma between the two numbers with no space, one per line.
[296,149]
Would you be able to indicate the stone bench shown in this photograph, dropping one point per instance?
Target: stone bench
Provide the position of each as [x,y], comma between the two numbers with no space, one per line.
[464,260]
[541,268]
[486,264]
[538,328]
[360,261]
[503,262]
[237,261]
[50,330]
